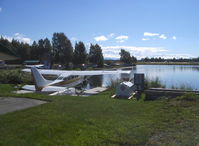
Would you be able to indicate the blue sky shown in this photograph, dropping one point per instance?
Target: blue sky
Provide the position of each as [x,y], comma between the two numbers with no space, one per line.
[153,28]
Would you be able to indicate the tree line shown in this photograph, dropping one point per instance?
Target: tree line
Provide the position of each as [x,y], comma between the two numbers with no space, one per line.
[59,50]
[159,59]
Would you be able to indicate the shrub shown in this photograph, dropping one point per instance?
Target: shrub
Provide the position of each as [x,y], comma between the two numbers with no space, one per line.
[14,77]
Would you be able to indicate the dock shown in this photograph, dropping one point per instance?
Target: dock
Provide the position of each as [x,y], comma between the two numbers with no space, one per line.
[94,91]
[74,92]
[155,93]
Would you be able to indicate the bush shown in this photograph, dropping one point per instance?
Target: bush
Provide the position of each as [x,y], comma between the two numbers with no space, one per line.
[14,77]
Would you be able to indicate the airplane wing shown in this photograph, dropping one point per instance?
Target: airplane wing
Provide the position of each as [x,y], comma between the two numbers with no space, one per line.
[80,73]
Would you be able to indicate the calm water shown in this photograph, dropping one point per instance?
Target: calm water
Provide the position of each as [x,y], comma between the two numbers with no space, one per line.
[169,75]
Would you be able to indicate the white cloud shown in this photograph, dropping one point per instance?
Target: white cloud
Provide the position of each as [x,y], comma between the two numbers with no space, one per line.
[20,37]
[154,36]
[149,34]
[162,36]
[174,37]
[177,56]
[101,38]
[112,52]
[111,35]
[121,38]
[7,37]
[1,9]
[145,39]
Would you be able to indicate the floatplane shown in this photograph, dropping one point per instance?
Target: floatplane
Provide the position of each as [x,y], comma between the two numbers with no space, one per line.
[64,80]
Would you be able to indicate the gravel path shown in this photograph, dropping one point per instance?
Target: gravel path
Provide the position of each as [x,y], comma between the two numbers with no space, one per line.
[11,104]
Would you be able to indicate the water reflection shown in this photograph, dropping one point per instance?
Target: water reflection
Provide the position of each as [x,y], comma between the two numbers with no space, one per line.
[170,75]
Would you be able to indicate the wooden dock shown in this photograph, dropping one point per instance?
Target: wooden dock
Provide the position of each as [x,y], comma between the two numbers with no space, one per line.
[94,91]
[155,93]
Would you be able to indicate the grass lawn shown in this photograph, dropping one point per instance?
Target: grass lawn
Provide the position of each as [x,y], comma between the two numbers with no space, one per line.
[100,120]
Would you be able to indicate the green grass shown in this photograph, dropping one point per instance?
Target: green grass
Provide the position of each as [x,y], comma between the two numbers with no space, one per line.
[100,120]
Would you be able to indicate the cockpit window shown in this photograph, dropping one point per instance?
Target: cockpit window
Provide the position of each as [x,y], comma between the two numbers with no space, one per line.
[60,78]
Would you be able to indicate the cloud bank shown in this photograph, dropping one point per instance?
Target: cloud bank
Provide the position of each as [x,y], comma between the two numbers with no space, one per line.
[112,52]
[19,37]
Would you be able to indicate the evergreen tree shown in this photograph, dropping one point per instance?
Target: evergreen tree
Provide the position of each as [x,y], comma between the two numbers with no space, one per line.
[41,49]
[24,51]
[96,56]
[34,51]
[79,55]
[62,49]
[134,59]
[47,49]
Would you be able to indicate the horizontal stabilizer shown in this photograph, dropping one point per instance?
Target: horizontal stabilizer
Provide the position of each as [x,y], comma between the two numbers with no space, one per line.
[48,89]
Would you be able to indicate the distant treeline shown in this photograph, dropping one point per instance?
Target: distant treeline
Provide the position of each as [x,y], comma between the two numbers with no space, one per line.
[58,50]
[159,59]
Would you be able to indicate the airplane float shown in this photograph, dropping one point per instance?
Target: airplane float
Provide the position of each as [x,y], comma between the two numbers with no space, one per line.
[66,78]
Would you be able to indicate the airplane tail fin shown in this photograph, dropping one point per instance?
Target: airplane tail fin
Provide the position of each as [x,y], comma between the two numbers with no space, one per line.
[40,82]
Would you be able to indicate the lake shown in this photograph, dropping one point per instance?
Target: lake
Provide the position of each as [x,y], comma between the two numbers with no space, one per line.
[169,75]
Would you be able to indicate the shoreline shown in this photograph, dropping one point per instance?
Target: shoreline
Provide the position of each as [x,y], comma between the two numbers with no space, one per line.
[167,63]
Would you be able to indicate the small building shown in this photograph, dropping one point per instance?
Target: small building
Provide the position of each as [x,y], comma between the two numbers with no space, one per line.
[31,62]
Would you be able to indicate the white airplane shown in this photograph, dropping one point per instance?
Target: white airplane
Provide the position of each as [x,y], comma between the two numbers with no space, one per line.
[67,78]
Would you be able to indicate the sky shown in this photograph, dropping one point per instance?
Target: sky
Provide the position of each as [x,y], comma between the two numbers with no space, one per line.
[145,28]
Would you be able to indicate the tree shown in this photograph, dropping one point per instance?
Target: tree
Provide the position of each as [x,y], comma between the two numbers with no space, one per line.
[79,55]
[40,49]
[134,59]
[34,51]
[96,56]
[47,49]
[62,49]
[125,57]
